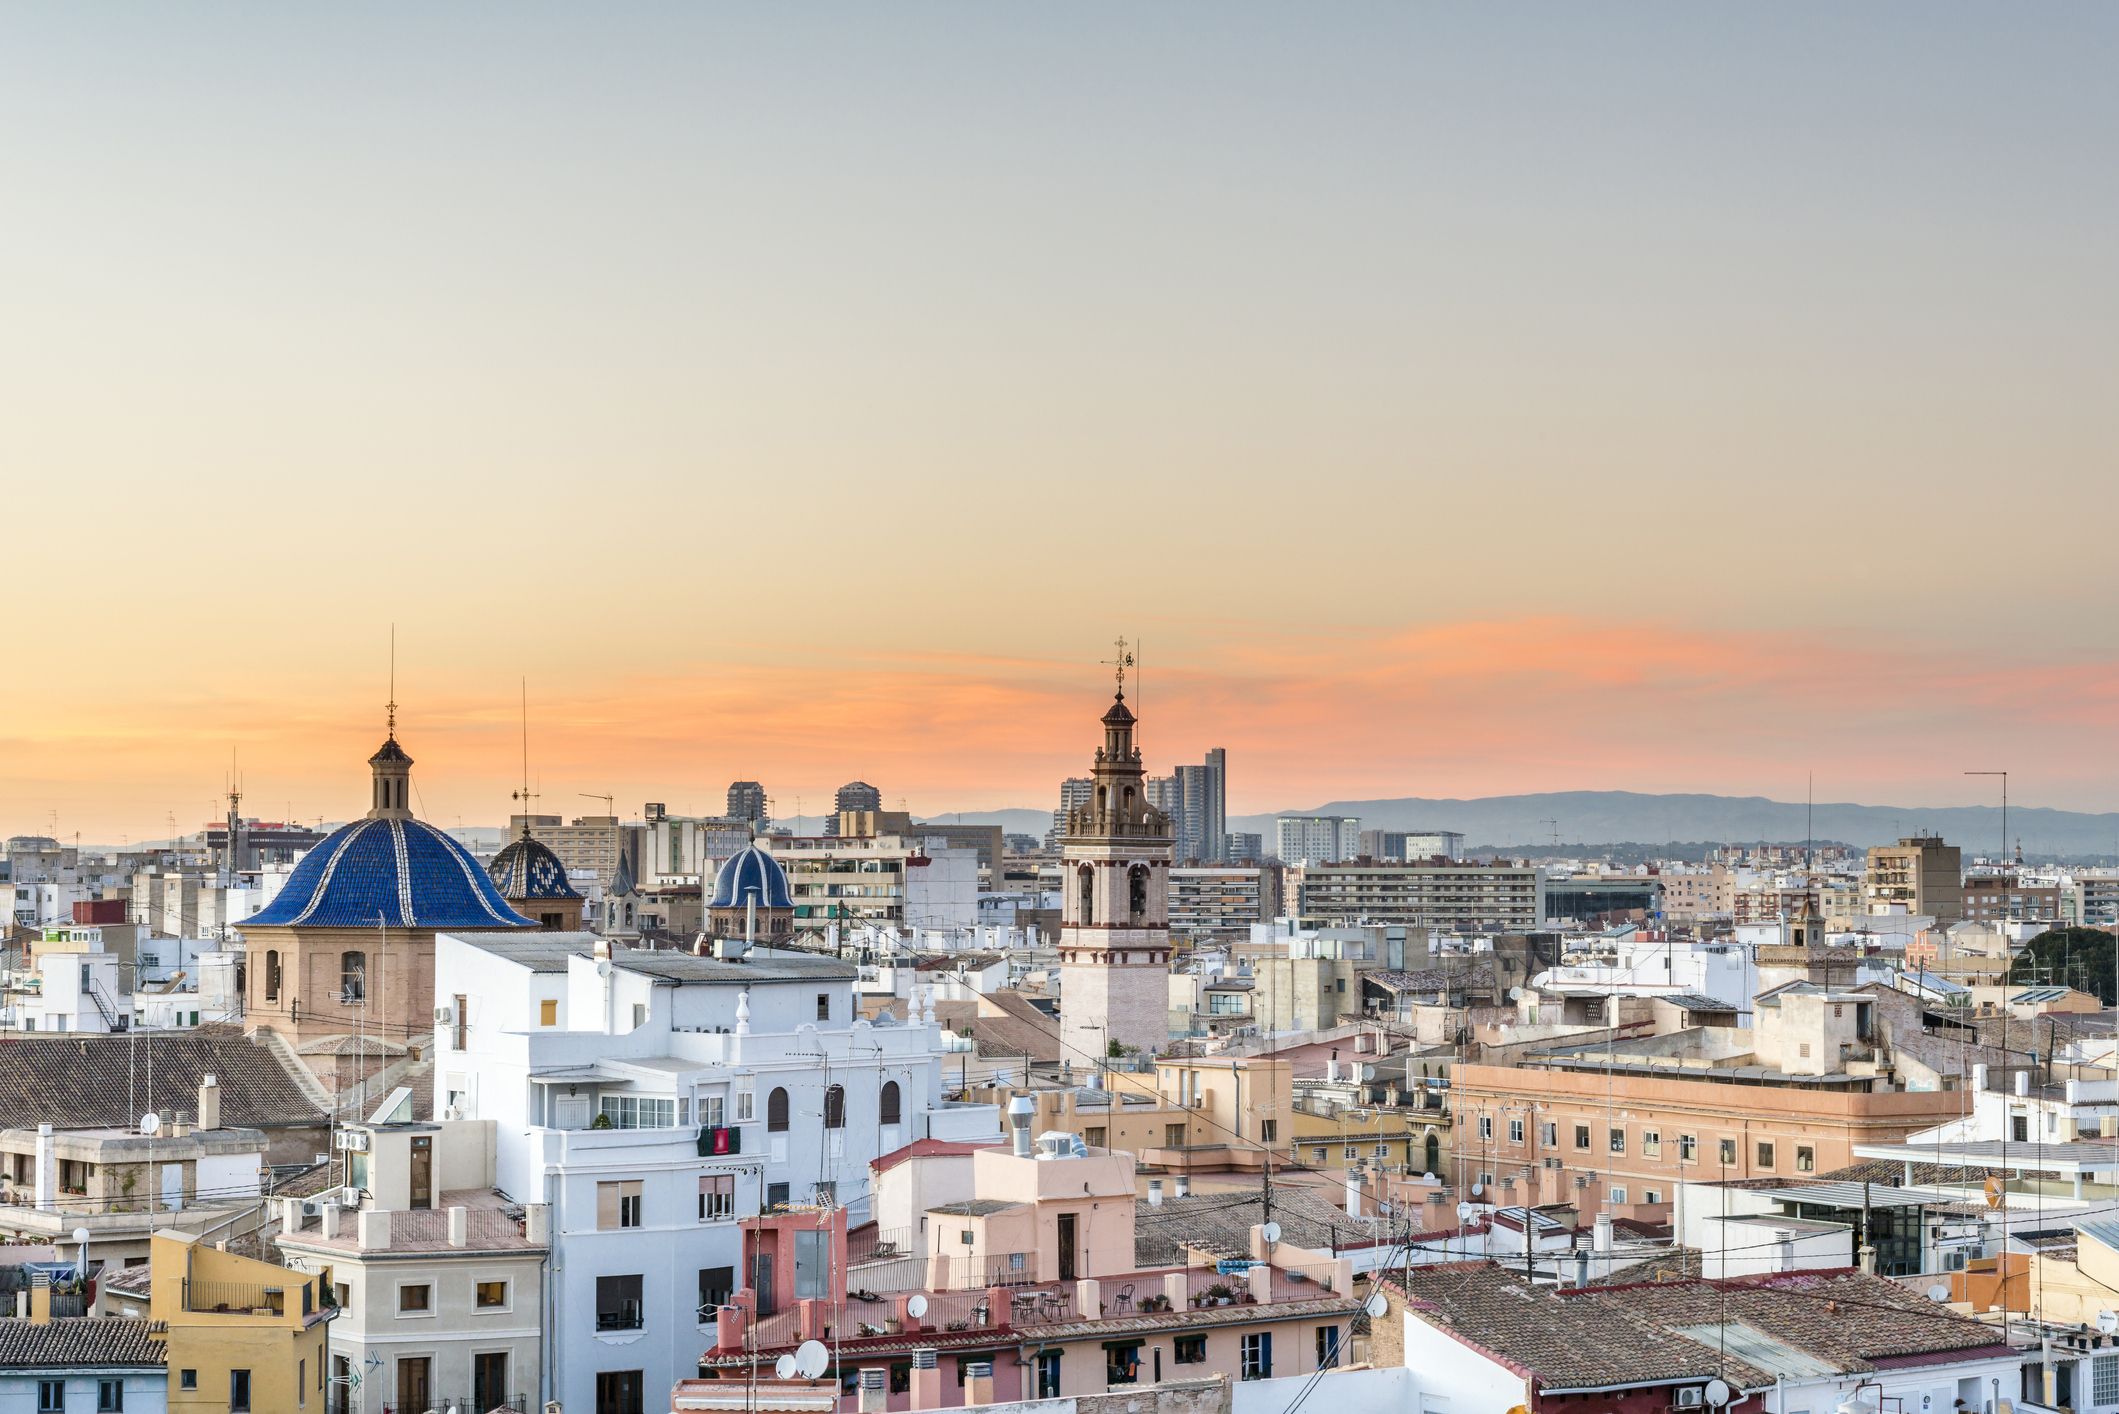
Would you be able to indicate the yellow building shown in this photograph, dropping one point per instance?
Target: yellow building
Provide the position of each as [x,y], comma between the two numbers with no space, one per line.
[243,1334]
[1375,1137]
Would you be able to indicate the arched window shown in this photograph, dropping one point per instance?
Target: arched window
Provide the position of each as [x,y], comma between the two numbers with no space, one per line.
[1434,1154]
[835,1107]
[353,977]
[1137,890]
[1086,893]
[272,974]
[889,1105]
[776,1112]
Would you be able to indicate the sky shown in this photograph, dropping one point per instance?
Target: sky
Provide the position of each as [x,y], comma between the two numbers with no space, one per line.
[1450,400]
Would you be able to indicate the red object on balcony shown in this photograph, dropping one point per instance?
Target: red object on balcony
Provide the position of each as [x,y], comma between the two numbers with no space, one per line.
[99,910]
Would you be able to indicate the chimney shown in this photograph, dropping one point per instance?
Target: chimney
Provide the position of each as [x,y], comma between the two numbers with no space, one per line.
[732,1320]
[1019,1111]
[874,1395]
[2023,1083]
[47,1168]
[330,1219]
[1581,1268]
[459,1227]
[1601,1234]
[1979,1077]
[1331,1067]
[1182,1186]
[21,1303]
[926,1379]
[1867,1259]
[373,1228]
[209,1103]
[1155,1193]
[978,1382]
[1353,1192]
[40,1302]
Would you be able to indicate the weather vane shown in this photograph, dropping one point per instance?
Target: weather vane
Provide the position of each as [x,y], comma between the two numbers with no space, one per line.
[1123,661]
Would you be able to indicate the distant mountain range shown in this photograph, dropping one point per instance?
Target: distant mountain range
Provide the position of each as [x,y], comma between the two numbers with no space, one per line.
[1606,817]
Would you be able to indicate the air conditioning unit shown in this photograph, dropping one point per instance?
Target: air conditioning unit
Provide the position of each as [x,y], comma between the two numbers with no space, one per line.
[444,1016]
[349,1197]
[451,1112]
[353,1141]
[313,1207]
[1690,1398]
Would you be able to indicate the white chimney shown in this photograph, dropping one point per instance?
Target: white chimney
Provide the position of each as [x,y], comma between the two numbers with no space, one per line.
[1601,1235]
[2023,1083]
[459,1227]
[1155,1193]
[209,1103]
[1353,1193]
[1979,1077]
[1020,1109]
[1183,1183]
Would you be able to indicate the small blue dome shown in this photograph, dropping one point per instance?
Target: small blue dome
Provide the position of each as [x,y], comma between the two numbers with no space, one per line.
[751,874]
[528,869]
[402,871]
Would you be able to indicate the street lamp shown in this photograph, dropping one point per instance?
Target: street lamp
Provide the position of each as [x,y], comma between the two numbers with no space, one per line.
[81,1263]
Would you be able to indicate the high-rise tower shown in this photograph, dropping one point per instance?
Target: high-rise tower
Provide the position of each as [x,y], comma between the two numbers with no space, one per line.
[1115,910]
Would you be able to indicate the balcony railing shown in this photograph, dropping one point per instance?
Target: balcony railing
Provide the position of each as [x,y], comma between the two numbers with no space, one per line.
[626,1318]
[242,1298]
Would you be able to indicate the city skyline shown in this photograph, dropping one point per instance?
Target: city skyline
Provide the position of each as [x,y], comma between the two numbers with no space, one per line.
[1457,402]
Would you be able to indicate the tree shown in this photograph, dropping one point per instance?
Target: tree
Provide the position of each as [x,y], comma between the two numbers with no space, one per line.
[2067,957]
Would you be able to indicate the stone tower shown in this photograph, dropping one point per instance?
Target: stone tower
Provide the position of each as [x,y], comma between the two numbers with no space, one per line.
[1115,911]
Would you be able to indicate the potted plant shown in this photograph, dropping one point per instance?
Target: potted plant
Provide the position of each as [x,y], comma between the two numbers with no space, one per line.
[893,1326]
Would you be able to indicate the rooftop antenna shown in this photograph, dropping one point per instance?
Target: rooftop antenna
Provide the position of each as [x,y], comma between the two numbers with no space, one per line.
[390,707]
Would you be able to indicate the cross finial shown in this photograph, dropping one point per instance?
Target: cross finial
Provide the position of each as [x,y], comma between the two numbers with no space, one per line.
[525,795]
[1123,661]
[390,707]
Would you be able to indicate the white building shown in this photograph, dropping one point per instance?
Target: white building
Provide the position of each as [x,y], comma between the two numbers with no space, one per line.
[650,1099]
[1317,839]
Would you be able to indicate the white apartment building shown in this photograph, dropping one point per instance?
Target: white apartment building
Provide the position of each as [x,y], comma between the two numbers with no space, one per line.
[650,1099]
[1317,839]
[899,880]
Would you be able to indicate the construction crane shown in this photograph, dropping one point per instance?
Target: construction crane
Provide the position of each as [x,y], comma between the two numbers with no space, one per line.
[1555,832]
[610,802]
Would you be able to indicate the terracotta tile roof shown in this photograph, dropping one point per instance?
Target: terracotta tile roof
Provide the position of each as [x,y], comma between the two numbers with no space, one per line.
[1616,1337]
[74,1342]
[1221,1223]
[93,1081]
[922,1148]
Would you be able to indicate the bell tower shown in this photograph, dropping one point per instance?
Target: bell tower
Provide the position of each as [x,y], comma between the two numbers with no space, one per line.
[1115,909]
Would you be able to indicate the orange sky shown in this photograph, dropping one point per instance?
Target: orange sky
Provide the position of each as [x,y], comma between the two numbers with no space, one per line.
[1457,400]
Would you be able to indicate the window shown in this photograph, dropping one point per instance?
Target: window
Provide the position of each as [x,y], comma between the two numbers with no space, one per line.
[1486,1126]
[238,1392]
[1549,1134]
[1137,895]
[1268,1131]
[301,1382]
[548,1012]
[1257,1350]
[1728,1151]
[2020,1128]
[1383,1151]
[1327,1347]
[901,1379]
[1174,1138]
[618,1204]
[1688,1148]
[890,1104]
[1765,1153]
[1085,894]
[353,978]
[110,1396]
[1317,1153]
[618,1303]
[1651,1143]
[835,1107]
[826,1195]
[775,1196]
[1805,1159]
[490,1295]
[1515,1131]
[717,1197]
[1095,1135]
[1192,1349]
[716,1285]
[713,1111]
[823,1006]
[187,1379]
[1581,1136]
[1048,1374]
[1618,1141]
[2104,1380]
[638,1111]
[51,1396]
[1122,1362]
[1651,1197]
[1350,1151]
[776,1112]
[1618,1194]
[415,1299]
[272,974]
[746,1106]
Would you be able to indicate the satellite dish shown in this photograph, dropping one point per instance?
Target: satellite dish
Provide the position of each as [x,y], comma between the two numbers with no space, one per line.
[811,1356]
[2108,1322]
[1428,1177]
[1941,1292]
[916,1306]
[1477,1189]
[1464,1212]
[1515,994]
[150,1124]
[1718,1392]
[1270,1232]
[784,1367]
[1376,1306]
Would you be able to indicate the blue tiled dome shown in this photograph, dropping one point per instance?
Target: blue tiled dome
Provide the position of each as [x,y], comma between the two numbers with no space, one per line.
[403,871]
[528,869]
[751,874]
